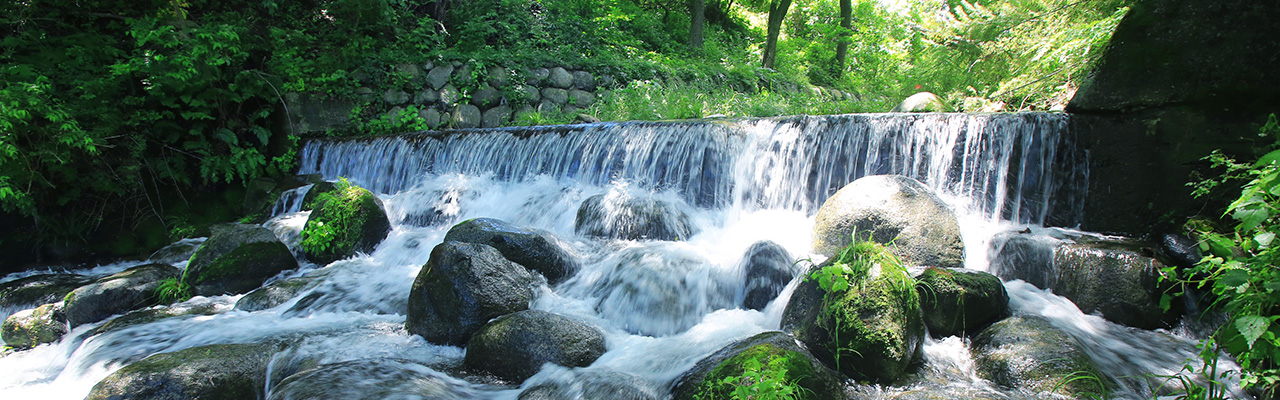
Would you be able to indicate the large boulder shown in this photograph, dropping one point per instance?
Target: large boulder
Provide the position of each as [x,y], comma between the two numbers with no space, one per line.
[1121,283]
[129,290]
[957,301]
[595,384]
[235,259]
[1029,353]
[515,346]
[921,102]
[220,371]
[346,221]
[767,268]
[891,209]
[560,78]
[39,289]
[34,327]
[381,378]
[772,356]
[872,327]
[535,249]
[621,216]
[463,286]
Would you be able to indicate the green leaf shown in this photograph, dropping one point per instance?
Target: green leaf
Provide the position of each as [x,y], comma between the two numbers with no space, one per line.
[1250,216]
[1235,278]
[1268,158]
[1264,239]
[1251,327]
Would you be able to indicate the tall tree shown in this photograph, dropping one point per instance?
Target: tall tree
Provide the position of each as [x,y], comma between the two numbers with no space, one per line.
[846,28]
[699,19]
[777,13]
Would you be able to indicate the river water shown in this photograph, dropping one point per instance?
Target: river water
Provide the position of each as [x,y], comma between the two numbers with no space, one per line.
[740,181]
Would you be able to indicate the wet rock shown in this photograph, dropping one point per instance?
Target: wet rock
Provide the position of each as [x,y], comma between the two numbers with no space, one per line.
[515,346]
[532,248]
[956,301]
[1178,250]
[581,98]
[768,268]
[595,384]
[560,78]
[655,290]
[382,378]
[312,199]
[39,289]
[875,323]
[146,316]
[274,294]
[496,117]
[357,220]
[463,286]
[213,372]
[621,216]
[921,102]
[891,208]
[131,289]
[439,76]
[556,96]
[486,96]
[176,252]
[707,378]
[235,259]
[33,327]
[466,116]
[1029,353]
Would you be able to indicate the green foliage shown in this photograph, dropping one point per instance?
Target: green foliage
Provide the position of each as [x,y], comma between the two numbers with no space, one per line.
[173,290]
[1239,268]
[761,372]
[336,230]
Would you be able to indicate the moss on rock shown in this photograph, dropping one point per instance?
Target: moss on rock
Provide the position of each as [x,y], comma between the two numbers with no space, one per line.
[1029,353]
[958,301]
[34,327]
[222,371]
[236,259]
[345,221]
[768,362]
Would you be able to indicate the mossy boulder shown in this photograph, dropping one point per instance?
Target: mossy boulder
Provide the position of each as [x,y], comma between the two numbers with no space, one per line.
[920,103]
[515,346]
[595,384]
[1029,353]
[149,315]
[534,249]
[213,372]
[274,294]
[957,301]
[774,356]
[463,286]
[873,328]
[235,259]
[129,290]
[767,269]
[891,208]
[34,327]
[39,289]
[622,216]
[312,199]
[346,221]
[380,378]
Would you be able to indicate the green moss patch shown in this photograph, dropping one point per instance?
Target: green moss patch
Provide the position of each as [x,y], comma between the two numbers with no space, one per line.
[763,371]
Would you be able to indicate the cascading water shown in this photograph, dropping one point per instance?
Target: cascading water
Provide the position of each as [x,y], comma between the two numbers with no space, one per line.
[663,305]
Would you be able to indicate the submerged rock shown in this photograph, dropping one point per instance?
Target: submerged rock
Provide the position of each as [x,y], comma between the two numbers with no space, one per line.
[39,289]
[274,294]
[534,249]
[620,216]
[463,286]
[656,290]
[34,327]
[213,372]
[891,209]
[775,354]
[768,268]
[1029,353]
[139,317]
[956,301]
[381,378]
[129,290]
[595,384]
[875,323]
[235,259]
[515,346]
[352,220]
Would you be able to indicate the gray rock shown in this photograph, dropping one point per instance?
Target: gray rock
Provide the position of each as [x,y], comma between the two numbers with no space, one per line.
[569,109]
[891,208]
[371,379]
[531,94]
[33,327]
[496,117]
[149,315]
[560,78]
[547,107]
[921,102]
[364,93]
[532,248]
[554,95]
[537,76]
[631,218]
[767,268]
[426,97]
[40,289]
[116,294]
[274,294]
[174,253]
[213,372]
[395,96]
[463,286]
[235,259]
[707,378]
[410,70]
[439,76]
[1178,250]
[1028,353]
[956,301]
[466,116]
[486,96]
[582,80]
[605,81]
[431,117]
[498,76]
[314,113]
[581,98]
[515,346]
[450,96]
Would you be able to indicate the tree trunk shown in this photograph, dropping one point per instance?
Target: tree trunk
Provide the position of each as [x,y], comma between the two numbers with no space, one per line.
[846,28]
[777,12]
[695,28]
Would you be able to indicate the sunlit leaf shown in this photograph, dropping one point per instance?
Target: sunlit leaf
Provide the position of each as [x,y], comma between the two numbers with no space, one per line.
[1251,327]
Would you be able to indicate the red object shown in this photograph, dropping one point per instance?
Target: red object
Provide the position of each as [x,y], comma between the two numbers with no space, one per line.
[917,86]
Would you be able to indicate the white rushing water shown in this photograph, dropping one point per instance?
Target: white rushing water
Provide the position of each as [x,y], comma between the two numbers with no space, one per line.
[662,305]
